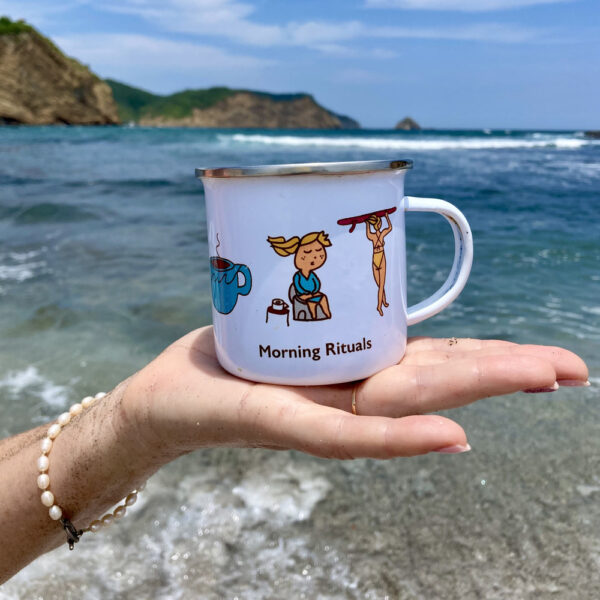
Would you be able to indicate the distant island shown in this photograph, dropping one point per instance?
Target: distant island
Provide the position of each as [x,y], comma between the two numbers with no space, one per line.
[408,124]
[40,85]
[225,107]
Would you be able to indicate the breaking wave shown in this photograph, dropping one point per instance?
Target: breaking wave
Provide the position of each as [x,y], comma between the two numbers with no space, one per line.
[389,143]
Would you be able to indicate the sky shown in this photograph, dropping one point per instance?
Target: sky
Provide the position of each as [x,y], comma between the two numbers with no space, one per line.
[521,64]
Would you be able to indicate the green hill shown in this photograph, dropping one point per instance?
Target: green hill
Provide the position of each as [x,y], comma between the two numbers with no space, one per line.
[130,101]
[135,104]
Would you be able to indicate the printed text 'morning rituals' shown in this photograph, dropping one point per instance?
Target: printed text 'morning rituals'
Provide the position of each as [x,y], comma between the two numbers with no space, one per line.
[330,349]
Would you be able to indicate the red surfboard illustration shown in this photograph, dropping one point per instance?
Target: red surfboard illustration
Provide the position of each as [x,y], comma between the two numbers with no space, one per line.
[354,221]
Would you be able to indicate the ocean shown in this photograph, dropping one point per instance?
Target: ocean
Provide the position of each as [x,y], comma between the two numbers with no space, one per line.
[103,263]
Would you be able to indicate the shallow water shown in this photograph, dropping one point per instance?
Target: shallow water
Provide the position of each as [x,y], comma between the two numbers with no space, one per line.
[103,262]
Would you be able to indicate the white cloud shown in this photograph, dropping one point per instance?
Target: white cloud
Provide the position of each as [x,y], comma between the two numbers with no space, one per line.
[360,76]
[160,52]
[141,58]
[232,20]
[382,53]
[458,5]
[36,12]
[485,32]
[338,50]
[227,18]
[341,51]
[314,32]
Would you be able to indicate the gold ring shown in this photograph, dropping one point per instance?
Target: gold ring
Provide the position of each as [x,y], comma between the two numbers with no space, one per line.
[354,400]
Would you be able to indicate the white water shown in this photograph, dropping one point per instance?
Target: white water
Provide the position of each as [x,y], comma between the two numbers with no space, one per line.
[385,143]
[193,531]
[15,383]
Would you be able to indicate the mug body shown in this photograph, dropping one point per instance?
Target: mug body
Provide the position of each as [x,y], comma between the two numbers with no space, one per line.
[308,274]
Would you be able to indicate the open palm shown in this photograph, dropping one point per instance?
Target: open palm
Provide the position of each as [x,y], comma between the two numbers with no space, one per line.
[184,400]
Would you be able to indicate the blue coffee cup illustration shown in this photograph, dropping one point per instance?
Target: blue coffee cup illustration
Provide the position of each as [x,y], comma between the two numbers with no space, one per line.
[225,283]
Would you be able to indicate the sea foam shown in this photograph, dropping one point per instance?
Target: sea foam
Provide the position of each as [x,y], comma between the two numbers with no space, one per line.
[191,526]
[31,380]
[19,266]
[388,143]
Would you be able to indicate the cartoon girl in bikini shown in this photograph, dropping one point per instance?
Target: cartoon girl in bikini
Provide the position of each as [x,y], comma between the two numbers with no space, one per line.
[309,255]
[379,265]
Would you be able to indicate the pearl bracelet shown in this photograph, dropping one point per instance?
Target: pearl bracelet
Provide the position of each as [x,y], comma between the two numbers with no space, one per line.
[43,480]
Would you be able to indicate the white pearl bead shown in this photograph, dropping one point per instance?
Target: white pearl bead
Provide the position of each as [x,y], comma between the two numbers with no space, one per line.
[107,520]
[55,512]
[46,445]
[75,409]
[43,463]
[47,499]
[53,431]
[131,499]
[99,395]
[119,512]
[87,401]
[95,526]
[64,419]
[43,481]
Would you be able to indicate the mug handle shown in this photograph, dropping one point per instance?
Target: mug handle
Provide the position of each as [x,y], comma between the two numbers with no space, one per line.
[244,289]
[463,257]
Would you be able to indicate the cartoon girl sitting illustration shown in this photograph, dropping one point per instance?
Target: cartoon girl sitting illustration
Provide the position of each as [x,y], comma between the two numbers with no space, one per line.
[379,265]
[309,255]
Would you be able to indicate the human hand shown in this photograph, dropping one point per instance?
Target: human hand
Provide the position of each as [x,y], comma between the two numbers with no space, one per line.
[184,400]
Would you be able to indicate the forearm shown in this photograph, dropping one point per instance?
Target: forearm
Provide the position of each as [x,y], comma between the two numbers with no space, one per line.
[96,460]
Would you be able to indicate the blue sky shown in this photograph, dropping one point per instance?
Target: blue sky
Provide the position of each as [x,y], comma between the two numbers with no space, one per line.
[446,63]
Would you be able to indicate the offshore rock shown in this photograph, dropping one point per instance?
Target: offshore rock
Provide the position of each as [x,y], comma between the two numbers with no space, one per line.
[408,124]
[39,85]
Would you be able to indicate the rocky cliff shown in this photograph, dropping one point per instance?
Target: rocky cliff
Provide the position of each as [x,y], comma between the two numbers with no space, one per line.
[39,85]
[225,107]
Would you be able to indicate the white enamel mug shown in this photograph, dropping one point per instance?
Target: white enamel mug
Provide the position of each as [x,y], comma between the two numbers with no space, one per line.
[308,268]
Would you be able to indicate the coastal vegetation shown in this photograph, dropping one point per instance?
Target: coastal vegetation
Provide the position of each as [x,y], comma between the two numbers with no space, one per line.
[135,103]
[139,105]
[8,27]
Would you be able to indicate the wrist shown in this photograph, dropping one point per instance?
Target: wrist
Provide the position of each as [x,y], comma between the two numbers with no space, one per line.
[98,459]
[139,416]
[174,411]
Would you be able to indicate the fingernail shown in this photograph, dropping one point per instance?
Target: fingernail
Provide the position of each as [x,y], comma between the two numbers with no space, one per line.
[574,383]
[542,389]
[456,449]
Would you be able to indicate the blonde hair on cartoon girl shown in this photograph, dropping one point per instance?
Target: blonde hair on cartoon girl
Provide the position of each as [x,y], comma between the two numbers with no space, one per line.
[285,247]
[375,221]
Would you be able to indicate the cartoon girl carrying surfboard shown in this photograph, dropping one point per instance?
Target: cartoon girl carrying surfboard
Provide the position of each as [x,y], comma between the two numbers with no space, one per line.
[376,236]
